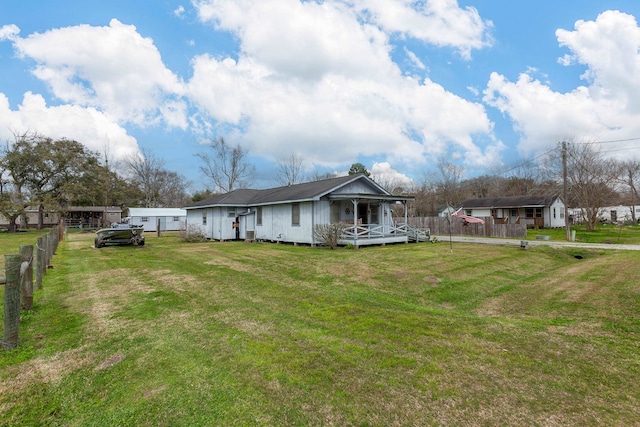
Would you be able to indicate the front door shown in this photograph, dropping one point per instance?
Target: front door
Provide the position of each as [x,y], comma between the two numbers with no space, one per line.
[363,210]
[513,216]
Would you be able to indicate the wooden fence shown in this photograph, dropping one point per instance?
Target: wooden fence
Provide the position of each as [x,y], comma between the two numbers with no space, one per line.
[19,283]
[443,226]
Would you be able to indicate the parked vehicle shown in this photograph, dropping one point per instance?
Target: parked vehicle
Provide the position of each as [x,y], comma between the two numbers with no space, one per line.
[120,234]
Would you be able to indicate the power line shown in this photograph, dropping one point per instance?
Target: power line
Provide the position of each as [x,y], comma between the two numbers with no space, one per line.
[608,142]
[527,161]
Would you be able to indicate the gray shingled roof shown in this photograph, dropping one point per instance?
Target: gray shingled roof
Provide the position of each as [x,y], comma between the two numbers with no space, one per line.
[294,193]
[509,202]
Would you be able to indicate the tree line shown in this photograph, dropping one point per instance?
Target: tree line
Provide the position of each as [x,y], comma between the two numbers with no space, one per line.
[51,175]
[593,181]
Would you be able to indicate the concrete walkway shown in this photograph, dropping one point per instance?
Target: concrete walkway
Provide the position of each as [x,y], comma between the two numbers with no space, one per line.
[534,242]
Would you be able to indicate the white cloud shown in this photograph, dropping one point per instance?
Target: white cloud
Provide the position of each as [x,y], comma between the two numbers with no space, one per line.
[316,78]
[390,178]
[85,125]
[111,68]
[606,108]
[9,32]
[437,22]
[179,11]
[414,59]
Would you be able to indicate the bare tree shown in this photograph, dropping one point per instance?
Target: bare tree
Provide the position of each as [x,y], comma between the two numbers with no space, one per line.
[289,169]
[630,178]
[159,186]
[591,179]
[448,182]
[146,171]
[174,193]
[228,167]
[318,176]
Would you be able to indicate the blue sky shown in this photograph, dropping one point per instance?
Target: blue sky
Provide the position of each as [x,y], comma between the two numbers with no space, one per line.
[395,85]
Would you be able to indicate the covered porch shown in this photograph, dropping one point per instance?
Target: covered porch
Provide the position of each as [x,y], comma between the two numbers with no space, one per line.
[369,219]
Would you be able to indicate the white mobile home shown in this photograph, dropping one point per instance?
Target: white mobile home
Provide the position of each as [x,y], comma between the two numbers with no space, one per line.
[290,213]
[169,219]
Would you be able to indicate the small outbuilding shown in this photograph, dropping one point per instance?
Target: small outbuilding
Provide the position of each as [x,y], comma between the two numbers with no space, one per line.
[169,219]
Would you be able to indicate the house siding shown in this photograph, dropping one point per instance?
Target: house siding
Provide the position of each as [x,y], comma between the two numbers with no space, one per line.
[355,188]
[557,220]
[167,219]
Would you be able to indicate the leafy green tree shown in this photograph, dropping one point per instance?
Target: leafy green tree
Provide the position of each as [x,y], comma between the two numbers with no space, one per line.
[357,168]
[46,173]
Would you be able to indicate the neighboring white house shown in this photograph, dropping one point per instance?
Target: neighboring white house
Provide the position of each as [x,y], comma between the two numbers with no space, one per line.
[612,214]
[534,211]
[170,219]
[290,213]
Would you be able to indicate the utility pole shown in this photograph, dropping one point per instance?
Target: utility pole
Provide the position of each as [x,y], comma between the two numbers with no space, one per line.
[564,191]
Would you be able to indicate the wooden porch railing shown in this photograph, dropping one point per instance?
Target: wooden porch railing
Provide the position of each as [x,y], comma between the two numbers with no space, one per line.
[371,231]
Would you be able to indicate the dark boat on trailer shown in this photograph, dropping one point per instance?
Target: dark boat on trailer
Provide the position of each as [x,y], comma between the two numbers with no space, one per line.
[120,234]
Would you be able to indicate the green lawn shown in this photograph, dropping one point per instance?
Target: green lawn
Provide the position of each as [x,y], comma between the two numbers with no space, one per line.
[175,334]
[604,233]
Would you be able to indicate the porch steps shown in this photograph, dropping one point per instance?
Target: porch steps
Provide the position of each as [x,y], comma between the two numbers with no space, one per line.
[416,234]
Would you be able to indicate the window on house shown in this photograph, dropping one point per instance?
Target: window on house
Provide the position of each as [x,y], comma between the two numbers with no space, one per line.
[533,212]
[144,219]
[231,212]
[176,218]
[204,218]
[554,213]
[295,214]
[259,215]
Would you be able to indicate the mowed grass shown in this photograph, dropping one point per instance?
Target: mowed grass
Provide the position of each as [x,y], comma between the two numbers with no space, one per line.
[176,334]
[604,233]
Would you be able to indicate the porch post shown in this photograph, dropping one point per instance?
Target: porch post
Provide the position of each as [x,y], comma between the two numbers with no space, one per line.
[355,219]
[406,212]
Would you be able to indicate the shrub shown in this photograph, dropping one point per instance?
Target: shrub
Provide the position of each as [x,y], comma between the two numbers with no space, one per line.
[192,233]
[329,234]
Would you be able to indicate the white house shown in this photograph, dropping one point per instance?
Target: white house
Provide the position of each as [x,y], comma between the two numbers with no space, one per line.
[170,219]
[612,214]
[534,211]
[290,213]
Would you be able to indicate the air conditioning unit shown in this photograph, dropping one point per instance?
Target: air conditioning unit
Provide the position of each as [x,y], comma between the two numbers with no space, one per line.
[251,235]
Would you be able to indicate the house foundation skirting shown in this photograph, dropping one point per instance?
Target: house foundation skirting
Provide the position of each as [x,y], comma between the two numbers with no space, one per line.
[374,241]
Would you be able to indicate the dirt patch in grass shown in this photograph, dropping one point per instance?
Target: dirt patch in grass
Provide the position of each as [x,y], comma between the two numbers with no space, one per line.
[45,370]
[113,360]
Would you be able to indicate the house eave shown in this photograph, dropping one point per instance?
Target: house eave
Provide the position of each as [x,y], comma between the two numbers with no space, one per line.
[379,197]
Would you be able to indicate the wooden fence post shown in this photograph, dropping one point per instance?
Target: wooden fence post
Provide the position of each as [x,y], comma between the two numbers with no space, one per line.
[39,261]
[11,301]
[45,253]
[26,278]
